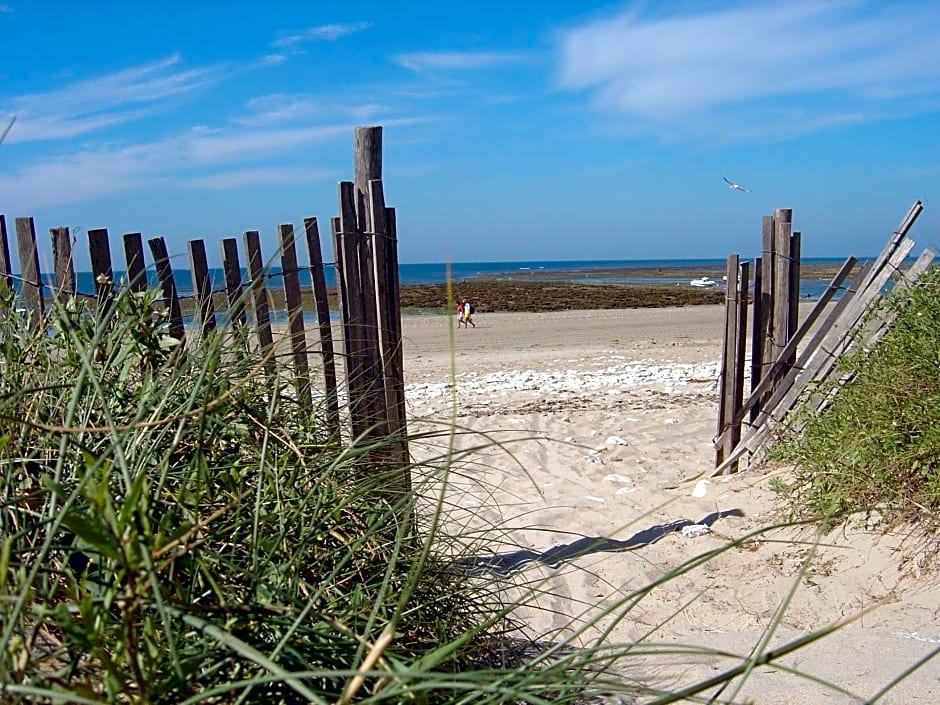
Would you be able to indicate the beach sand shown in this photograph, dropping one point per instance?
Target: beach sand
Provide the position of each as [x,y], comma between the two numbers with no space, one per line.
[578,433]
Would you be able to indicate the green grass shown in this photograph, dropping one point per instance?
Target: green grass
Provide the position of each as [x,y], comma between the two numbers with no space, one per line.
[877,443]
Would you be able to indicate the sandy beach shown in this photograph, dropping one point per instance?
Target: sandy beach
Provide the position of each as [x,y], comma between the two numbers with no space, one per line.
[579,435]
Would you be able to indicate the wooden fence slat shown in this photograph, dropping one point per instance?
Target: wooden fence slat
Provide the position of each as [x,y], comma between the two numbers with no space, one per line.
[259,296]
[781,284]
[349,361]
[202,283]
[395,337]
[232,268]
[795,268]
[356,348]
[728,357]
[322,304]
[171,299]
[101,270]
[388,309]
[134,259]
[63,264]
[737,387]
[6,266]
[29,270]
[295,314]
[367,166]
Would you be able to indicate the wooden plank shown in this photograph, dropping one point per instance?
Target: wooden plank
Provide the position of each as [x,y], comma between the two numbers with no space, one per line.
[63,264]
[397,380]
[202,283]
[99,248]
[295,314]
[728,348]
[737,388]
[367,166]
[134,259]
[29,271]
[232,269]
[356,346]
[348,359]
[6,266]
[322,304]
[171,299]
[781,284]
[393,385]
[259,298]
[795,269]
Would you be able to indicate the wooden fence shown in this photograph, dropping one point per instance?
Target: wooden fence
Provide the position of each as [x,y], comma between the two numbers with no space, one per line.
[366,266]
[784,371]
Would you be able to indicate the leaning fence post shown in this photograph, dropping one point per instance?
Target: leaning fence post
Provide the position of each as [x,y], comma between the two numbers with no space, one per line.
[171,299]
[29,270]
[199,266]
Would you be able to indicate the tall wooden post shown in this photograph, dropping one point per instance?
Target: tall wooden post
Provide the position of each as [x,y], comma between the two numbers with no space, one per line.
[29,270]
[62,261]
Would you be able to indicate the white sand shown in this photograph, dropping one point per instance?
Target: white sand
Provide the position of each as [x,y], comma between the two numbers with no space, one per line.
[605,416]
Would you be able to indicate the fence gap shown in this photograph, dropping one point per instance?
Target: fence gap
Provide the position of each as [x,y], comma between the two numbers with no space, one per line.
[322,305]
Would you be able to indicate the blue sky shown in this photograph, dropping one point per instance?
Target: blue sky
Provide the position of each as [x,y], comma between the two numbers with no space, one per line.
[513,130]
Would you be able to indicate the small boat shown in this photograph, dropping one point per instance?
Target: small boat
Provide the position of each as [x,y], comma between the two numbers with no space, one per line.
[703,282]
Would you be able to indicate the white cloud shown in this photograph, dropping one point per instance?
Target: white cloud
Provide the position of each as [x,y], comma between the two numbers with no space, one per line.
[104,101]
[4,8]
[823,64]
[326,32]
[278,109]
[454,60]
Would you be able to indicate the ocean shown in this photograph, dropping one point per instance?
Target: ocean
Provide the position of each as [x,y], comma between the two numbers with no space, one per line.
[585,271]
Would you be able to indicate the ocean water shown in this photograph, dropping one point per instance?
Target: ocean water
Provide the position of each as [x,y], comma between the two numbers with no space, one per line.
[586,271]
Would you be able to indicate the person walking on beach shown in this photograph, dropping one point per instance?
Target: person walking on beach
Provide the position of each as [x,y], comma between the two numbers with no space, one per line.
[466,314]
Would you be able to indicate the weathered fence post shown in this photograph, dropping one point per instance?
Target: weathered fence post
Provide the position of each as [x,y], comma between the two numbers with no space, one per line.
[100,250]
[728,357]
[171,299]
[29,271]
[199,266]
[134,259]
[64,266]
[259,298]
[232,270]
[295,314]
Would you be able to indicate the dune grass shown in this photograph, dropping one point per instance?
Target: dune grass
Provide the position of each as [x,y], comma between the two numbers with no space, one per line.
[876,444]
[177,529]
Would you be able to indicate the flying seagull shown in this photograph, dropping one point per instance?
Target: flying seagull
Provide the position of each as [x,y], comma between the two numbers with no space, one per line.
[734,186]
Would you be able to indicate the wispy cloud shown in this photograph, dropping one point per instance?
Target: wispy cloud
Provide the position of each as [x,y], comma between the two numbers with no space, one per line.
[4,8]
[455,60]
[755,68]
[104,101]
[277,109]
[326,32]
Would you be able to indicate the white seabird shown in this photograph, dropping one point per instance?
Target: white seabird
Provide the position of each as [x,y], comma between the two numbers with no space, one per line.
[734,186]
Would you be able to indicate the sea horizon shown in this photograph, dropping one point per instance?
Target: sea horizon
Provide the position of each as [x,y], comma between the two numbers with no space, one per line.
[583,271]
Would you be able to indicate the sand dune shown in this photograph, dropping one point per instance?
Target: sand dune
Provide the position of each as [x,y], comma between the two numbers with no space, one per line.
[603,419]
